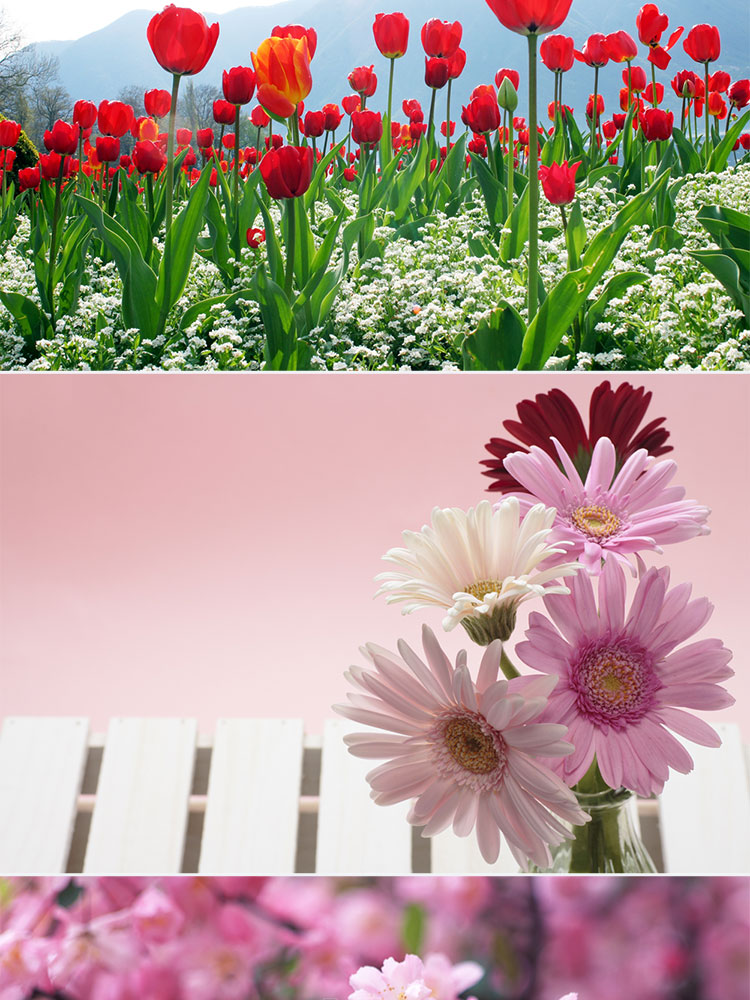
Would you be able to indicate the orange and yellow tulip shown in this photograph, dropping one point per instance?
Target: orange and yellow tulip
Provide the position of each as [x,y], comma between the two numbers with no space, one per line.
[282,73]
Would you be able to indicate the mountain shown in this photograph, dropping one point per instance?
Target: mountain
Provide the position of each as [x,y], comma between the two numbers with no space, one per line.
[99,64]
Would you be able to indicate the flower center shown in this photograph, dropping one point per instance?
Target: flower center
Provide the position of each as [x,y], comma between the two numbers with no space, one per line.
[614,684]
[470,747]
[595,521]
[482,587]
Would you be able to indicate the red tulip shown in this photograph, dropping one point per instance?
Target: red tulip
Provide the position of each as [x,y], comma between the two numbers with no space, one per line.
[29,178]
[483,113]
[224,112]
[509,74]
[205,138]
[255,237]
[367,127]
[331,117]
[349,174]
[184,136]
[595,52]
[716,105]
[287,171]
[456,64]
[440,39]
[148,158]
[84,114]
[609,129]
[478,145]
[739,94]
[530,17]
[63,138]
[107,148]
[556,52]
[157,103]
[276,142]
[259,117]
[719,81]
[363,80]
[413,110]
[684,83]
[351,103]
[7,159]
[559,182]
[181,40]
[648,94]
[656,124]
[564,109]
[391,33]
[636,76]
[238,84]
[315,124]
[49,163]
[590,106]
[703,43]
[651,25]
[621,46]
[297,31]
[635,100]
[745,140]
[9,132]
[436,72]
[115,118]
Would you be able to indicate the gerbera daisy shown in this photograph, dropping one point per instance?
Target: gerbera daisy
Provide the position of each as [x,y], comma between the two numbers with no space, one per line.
[610,514]
[478,565]
[613,413]
[464,751]
[622,681]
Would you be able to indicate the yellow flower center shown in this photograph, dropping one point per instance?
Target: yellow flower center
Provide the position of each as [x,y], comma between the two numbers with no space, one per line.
[595,521]
[470,747]
[482,587]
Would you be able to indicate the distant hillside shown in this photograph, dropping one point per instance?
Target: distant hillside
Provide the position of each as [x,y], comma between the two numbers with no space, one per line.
[101,63]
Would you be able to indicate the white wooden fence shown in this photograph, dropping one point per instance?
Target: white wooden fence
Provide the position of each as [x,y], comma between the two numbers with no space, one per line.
[261,797]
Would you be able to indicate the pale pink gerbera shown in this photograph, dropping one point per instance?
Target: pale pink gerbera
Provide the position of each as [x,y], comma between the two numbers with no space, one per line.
[622,681]
[464,751]
[609,514]
[434,979]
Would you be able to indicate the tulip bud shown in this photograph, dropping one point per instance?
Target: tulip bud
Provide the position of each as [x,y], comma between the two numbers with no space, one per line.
[507,95]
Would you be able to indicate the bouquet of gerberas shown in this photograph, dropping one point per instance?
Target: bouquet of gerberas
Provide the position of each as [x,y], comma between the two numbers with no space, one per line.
[611,676]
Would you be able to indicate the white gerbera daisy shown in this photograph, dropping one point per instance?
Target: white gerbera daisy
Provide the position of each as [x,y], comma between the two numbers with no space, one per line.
[479,565]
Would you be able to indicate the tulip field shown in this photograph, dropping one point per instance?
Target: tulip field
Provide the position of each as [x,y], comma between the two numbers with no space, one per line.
[427,236]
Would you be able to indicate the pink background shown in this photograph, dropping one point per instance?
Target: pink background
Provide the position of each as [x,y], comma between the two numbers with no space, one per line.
[206,545]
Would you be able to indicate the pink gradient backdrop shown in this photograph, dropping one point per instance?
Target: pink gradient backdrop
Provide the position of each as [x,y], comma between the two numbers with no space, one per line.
[206,545]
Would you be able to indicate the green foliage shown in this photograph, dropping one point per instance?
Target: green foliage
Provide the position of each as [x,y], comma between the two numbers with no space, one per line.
[26,152]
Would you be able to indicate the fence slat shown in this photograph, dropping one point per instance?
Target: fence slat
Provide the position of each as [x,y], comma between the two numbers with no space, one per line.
[141,809]
[452,855]
[704,816]
[252,810]
[41,767]
[355,836]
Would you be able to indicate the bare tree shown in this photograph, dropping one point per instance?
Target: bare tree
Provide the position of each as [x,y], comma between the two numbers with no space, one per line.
[197,108]
[133,96]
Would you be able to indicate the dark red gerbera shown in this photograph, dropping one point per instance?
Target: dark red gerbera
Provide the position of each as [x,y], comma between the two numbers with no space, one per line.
[613,413]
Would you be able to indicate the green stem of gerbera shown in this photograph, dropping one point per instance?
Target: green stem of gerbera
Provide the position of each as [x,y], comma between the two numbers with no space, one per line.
[389,138]
[533,184]
[170,149]
[508,667]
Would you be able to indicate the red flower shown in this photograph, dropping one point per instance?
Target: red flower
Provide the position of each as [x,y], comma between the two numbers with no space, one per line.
[417,130]
[287,171]
[7,159]
[456,64]
[367,127]
[739,94]
[258,116]
[719,82]
[63,138]
[331,117]
[703,43]
[478,145]
[29,178]
[656,124]
[391,33]
[509,74]
[351,103]
[205,138]
[349,173]
[181,40]
[315,123]
[559,182]
[613,413]
[107,148]
[595,51]
[436,72]
[255,237]
[636,75]
[648,94]
[717,106]
[413,110]
[590,106]
[651,25]
[684,83]
[9,132]
[238,84]
[49,164]
[297,31]
[621,46]
[441,38]
[157,103]
[483,113]
[609,129]
[148,158]
[363,80]
[224,112]
[556,52]
[84,114]
[530,17]
[276,142]
[184,136]
[115,118]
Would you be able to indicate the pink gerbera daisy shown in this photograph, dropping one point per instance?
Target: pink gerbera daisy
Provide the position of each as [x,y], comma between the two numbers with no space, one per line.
[609,514]
[622,681]
[465,751]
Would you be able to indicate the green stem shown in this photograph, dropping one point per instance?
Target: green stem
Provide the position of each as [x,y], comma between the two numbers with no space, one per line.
[511,163]
[507,666]
[708,133]
[533,184]
[236,190]
[429,139]
[390,105]
[170,150]
[53,243]
[290,251]
[653,86]
[448,122]
[594,115]
[490,155]
[630,85]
